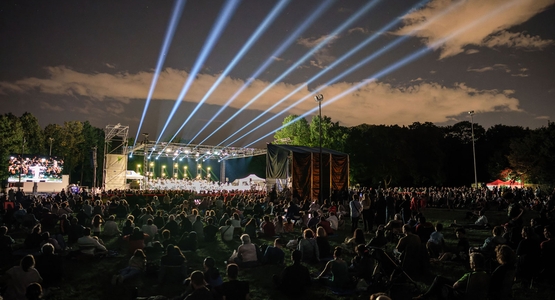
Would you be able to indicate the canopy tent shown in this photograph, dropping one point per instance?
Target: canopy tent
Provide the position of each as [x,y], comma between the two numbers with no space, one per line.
[509,183]
[300,168]
[251,179]
[132,175]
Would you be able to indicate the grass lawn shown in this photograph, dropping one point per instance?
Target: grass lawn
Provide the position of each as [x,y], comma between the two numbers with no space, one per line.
[91,279]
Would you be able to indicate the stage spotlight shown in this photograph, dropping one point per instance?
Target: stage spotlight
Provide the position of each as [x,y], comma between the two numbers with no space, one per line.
[399,64]
[254,37]
[174,20]
[309,54]
[221,21]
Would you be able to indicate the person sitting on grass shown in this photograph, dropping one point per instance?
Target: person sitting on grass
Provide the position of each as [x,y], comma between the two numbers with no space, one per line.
[174,258]
[50,266]
[340,277]
[362,265]
[289,226]
[189,242]
[136,240]
[436,243]
[503,276]
[379,241]
[19,277]
[226,231]
[91,246]
[309,247]
[460,254]
[210,230]
[246,253]
[294,279]
[274,255]
[199,289]
[355,240]
[234,289]
[472,285]
[137,264]
[111,227]
[488,248]
[212,274]
[323,243]
[267,228]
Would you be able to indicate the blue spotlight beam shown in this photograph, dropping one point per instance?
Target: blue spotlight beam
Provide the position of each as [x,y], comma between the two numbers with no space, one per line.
[342,27]
[254,37]
[283,46]
[333,65]
[170,31]
[395,66]
[222,20]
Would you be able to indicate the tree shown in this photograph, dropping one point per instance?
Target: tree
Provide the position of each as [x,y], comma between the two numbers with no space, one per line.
[294,132]
[333,135]
[34,139]
[11,142]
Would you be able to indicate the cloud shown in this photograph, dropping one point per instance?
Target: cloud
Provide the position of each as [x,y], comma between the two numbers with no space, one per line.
[516,40]
[275,58]
[471,51]
[376,102]
[543,118]
[322,57]
[520,75]
[488,32]
[502,67]
[52,107]
[110,66]
[358,29]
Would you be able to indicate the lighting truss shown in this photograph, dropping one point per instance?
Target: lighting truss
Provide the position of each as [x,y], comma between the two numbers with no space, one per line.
[407,59]
[180,151]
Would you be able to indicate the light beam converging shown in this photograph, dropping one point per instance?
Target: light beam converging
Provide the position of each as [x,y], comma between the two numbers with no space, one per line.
[397,65]
[283,46]
[339,29]
[246,47]
[176,16]
[222,20]
[331,67]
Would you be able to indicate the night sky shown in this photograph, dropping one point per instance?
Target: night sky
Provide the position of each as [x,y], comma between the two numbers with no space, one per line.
[95,61]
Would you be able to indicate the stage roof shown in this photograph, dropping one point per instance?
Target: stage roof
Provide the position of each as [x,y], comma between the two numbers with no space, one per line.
[182,150]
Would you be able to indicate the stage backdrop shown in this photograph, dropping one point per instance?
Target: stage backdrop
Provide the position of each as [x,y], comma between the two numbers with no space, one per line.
[301,166]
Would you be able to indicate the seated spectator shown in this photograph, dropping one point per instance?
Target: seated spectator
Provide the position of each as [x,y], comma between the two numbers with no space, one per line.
[212,274]
[226,231]
[6,243]
[198,227]
[362,265]
[91,246]
[355,240]
[324,247]
[488,248]
[334,221]
[326,225]
[295,278]
[136,240]
[111,228]
[199,288]
[409,248]
[379,241]
[34,239]
[171,225]
[50,266]
[528,254]
[190,242]
[395,226]
[97,223]
[128,226]
[250,227]
[309,247]
[247,255]
[267,228]
[150,229]
[436,243]
[460,253]
[235,289]
[136,265]
[18,278]
[289,226]
[274,255]
[473,285]
[168,239]
[33,291]
[46,239]
[548,253]
[173,265]
[278,225]
[210,230]
[340,277]
[424,229]
[503,276]
[75,231]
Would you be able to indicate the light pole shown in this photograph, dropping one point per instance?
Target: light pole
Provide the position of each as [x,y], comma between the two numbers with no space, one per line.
[471,113]
[51,140]
[319,98]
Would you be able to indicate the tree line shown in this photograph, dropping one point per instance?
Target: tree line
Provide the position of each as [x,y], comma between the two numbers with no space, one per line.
[423,154]
[73,141]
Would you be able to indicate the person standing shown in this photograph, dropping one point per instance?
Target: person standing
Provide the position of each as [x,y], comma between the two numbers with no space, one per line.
[356,211]
[367,214]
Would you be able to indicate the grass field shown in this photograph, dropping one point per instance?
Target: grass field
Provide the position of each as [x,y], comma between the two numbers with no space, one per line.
[91,279]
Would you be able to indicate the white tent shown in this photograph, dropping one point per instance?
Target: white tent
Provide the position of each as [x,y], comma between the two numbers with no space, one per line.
[251,179]
[132,175]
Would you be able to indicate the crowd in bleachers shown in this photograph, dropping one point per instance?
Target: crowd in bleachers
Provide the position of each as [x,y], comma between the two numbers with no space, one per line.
[156,227]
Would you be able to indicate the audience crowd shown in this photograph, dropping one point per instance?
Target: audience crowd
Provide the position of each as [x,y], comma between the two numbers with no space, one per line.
[157,228]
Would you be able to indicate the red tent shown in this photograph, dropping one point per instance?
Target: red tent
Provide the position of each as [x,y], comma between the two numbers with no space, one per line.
[497,182]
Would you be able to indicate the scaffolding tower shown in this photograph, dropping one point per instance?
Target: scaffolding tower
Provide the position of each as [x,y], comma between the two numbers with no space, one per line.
[115,157]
